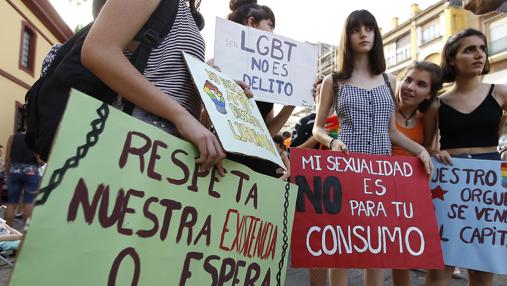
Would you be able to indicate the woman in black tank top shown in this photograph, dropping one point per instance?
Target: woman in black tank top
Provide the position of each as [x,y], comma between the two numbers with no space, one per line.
[468,116]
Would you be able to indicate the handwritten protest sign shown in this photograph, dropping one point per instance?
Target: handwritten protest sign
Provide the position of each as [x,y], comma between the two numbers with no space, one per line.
[362,211]
[277,69]
[123,203]
[470,199]
[236,118]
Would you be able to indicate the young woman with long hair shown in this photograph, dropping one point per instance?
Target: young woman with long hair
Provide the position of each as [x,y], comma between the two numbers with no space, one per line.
[468,116]
[363,96]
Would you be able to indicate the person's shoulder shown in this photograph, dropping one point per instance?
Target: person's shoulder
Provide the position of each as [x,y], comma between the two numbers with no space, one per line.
[329,79]
[501,89]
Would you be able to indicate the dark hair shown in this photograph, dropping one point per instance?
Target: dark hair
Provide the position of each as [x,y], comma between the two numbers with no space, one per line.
[278,139]
[194,10]
[377,62]
[435,76]
[241,10]
[97,6]
[451,49]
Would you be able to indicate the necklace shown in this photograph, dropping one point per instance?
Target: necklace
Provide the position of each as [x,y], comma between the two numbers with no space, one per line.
[407,119]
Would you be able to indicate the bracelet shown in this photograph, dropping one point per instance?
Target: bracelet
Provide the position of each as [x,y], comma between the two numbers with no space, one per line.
[331,143]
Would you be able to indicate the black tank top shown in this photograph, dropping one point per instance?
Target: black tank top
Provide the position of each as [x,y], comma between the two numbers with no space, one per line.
[20,153]
[478,128]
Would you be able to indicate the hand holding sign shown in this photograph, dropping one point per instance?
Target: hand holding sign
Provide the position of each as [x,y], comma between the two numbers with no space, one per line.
[235,117]
[362,211]
[210,151]
[470,200]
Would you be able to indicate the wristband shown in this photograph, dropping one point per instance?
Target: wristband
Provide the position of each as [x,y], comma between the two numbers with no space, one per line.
[331,143]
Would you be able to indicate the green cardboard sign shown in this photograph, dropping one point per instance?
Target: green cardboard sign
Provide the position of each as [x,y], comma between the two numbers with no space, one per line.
[123,203]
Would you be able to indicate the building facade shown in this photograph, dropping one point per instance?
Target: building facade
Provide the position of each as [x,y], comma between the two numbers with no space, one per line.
[422,36]
[425,33]
[327,59]
[29,29]
[494,26]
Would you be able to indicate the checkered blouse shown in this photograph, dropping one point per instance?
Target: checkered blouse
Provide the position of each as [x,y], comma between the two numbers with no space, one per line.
[364,118]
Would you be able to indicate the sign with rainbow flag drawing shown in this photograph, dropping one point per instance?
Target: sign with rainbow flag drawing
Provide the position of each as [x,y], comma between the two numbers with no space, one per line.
[124,203]
[470,199]
[236,118]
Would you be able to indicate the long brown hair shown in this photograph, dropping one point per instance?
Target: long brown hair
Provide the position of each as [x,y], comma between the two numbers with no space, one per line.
[451,49]
[377,63]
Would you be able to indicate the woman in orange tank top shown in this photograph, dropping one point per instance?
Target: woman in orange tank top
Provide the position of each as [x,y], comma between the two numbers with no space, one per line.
[417,90]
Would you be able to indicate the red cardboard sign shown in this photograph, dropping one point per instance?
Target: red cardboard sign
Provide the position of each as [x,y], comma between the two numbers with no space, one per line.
[362,211]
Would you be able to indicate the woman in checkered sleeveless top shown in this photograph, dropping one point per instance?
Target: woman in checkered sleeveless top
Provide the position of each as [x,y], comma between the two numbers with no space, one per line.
[364,103]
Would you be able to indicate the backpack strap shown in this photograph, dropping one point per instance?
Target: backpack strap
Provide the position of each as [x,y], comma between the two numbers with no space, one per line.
[151,35]
[388,83]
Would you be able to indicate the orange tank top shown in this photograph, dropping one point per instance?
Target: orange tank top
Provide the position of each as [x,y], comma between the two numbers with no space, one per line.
[415,133]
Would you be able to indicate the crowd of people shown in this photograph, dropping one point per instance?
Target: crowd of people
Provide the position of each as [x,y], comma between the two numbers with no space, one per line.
[376,113]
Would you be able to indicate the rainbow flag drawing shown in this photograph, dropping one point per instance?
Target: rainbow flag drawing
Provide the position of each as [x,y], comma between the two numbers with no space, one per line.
[504,174]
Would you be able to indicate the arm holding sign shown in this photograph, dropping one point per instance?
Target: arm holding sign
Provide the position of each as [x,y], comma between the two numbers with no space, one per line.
[430,130]
[102,54]
[275,123]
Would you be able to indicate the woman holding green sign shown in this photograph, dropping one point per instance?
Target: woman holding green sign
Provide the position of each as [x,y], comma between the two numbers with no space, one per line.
[163,95]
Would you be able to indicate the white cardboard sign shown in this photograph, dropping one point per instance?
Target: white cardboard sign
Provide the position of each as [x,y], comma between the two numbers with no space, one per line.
[277,69]
[236,118]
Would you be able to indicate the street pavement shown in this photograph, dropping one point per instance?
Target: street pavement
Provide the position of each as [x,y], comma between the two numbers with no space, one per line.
[299,277]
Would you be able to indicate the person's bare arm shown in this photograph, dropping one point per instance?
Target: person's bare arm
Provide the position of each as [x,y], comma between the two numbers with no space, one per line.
[310,143]
[7,165]
[323,110]
[102,54]
[275,123]
[12,236]
[13,230]
[430,125]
